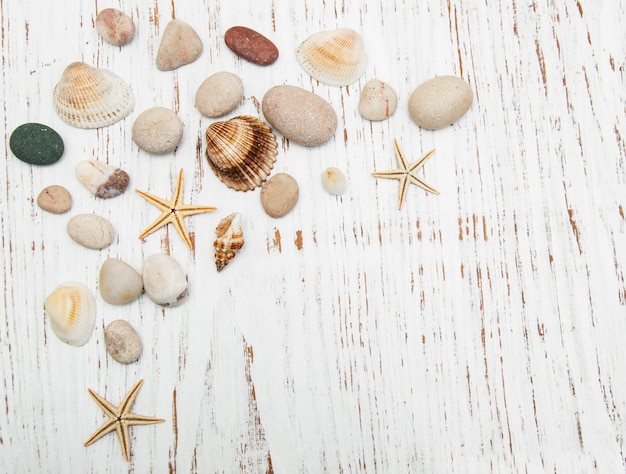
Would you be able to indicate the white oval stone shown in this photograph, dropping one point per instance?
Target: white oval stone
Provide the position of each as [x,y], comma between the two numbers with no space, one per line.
[164,280]
[91,231]
[301,116]
[219,94]
[378,101]
[440,102]
[158,130]
[122,341]
[119,283]
[334,181]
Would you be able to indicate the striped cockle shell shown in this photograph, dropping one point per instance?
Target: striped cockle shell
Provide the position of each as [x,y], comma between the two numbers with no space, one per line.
[333,57]
[71,308]
[241,151]
[229,240]
[86,97]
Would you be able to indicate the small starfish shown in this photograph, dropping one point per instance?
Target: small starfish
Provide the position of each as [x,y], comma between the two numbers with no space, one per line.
[407,173]
[173,211]
[120,419]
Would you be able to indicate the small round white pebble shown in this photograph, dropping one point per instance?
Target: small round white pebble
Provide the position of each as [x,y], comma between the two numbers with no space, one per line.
[158,130]
[334,181]
[219,94]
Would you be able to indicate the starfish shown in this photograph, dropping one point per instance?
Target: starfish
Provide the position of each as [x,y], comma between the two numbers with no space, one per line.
[120,419]
[407,173]
[173,211]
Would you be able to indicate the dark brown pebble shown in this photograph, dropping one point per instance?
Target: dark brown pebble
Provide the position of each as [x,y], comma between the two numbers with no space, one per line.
[250,45]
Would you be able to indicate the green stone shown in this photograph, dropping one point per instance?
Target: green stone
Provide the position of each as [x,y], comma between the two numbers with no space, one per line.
[36,144]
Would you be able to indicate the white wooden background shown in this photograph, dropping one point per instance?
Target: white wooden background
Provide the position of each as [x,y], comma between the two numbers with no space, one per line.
[481,330]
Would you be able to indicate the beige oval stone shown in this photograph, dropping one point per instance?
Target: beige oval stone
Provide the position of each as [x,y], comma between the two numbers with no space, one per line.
[440,102]
[122,342]
[301,116]
[55,199]
[157,130]
[91,231]
[219,94]
[378,101]
[279,194]
[118,282]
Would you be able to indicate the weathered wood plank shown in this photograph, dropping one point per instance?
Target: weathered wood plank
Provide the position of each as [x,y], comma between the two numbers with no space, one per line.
[475,331]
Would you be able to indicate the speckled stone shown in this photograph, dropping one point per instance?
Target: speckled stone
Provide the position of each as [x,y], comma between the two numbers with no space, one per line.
[250,45]
[279,194]
[115,27]
[158,130]
[301,116]
[219,94]
[91,231]
[122,342]
[440,102]
[55,199]
[36,144]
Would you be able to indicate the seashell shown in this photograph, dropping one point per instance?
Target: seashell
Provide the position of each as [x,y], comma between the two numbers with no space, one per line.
[164,280]
[241,151]
[71,308]
[229,240]
[86,97]
[333,57]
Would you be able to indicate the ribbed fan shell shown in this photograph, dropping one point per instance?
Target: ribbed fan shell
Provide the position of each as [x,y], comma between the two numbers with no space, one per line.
[86,97]
[71,308]
[241,151]
[333,57]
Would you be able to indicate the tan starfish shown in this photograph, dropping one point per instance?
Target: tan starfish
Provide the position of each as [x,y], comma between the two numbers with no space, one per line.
[173,211]
[407,173]
[120,419]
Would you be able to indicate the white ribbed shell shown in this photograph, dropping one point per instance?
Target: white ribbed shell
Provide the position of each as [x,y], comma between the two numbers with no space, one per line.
[71,308]
[86,97]
[333,57]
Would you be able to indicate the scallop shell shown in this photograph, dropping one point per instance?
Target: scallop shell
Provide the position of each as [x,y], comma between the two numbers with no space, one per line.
[333,57]
[71,308]
[229,240]
[86,97]
[241,151]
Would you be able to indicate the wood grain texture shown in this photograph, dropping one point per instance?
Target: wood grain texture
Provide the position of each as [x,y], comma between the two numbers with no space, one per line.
[476,331]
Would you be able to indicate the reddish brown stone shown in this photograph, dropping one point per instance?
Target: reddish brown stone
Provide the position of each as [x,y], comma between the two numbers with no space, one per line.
[250,45]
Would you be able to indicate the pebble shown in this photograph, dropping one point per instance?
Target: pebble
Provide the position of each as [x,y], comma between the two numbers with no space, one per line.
[91,231]
[164,280]
[157,130]
[102,180]
[180,45]
[279,194]
[334,181]
[122,341]
[115,27]
[378,101]
[250,45]
[118,282]
[440,102]
[219,94]
[301,116]
[36,144]
[55,199]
